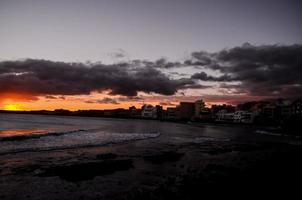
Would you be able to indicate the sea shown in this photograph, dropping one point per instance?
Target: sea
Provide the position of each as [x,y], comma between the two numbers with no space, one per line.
[32,133]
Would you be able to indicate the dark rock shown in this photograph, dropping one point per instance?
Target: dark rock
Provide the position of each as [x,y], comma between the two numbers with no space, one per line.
[87,171]
[106,156]
[26,169]
[169,156]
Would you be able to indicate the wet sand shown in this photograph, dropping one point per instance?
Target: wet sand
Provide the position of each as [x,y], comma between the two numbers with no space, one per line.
[157,168]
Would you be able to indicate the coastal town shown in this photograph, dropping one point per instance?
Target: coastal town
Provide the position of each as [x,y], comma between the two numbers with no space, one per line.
[274,112]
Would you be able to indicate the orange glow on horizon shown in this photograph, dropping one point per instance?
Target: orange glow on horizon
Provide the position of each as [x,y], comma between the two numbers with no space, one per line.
[27,102]
[15,102]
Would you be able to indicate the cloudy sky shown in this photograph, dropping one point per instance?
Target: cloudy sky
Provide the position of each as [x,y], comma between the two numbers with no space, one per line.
[78,54]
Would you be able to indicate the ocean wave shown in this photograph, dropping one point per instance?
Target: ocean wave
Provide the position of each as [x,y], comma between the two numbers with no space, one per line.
[71,141]
[35,134]
[262,132]
[210,139]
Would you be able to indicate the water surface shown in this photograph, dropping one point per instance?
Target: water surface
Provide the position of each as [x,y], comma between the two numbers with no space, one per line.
[24,132]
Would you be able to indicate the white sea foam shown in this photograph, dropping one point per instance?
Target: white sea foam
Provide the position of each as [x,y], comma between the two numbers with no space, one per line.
[262,132]
[72,140]
[210,139]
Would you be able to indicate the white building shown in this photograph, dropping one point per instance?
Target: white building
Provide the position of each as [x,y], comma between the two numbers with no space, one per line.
[224,116]
[149,111]
[244,117]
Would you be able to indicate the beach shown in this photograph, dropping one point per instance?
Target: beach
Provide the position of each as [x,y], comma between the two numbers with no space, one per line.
[94,158]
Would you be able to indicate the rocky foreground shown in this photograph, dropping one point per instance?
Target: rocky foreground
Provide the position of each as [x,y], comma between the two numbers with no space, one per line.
[155,169]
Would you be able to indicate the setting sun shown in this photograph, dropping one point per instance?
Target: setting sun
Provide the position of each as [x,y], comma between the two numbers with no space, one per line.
[12,107]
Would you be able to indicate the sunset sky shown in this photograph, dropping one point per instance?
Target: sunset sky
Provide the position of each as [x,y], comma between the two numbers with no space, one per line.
[101,54]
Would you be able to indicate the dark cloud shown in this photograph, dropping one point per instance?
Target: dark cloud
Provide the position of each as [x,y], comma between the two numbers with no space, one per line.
[42,77]
[105,100]
[54,97]
[267,70]
[50,97]
[118,54]
[196,86]
[259,71]
[161,63]
[200,58]
[205,77]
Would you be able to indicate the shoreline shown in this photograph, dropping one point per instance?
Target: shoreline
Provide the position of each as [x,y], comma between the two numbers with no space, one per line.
[146,119]
[274,129]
